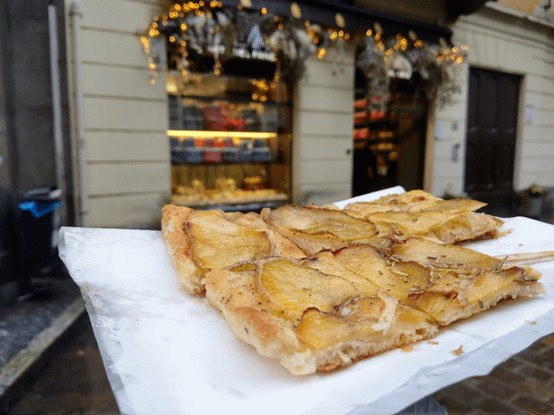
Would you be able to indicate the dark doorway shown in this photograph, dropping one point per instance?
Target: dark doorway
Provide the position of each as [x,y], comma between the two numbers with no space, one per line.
[389,142]
[491,138]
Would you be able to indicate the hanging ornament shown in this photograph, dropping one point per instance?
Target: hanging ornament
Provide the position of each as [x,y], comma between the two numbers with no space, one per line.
[339,19]
[255,39]
[368,56]
[399,66]
[295,11]
[201,34]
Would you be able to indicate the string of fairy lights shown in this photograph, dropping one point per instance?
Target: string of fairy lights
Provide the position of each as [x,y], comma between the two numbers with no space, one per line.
[202,36]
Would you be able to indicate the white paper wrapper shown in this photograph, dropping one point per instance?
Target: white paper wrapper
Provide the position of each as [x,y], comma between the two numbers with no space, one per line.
[169,352]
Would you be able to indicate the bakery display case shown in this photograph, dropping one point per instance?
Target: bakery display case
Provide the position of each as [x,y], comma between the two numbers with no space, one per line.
[230,140]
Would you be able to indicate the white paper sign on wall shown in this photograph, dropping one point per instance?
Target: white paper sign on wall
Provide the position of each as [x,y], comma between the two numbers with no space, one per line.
[529,114]
[438,131]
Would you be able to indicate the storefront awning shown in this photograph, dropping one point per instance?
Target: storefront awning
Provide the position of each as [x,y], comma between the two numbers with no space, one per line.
[355,17]
[463,7]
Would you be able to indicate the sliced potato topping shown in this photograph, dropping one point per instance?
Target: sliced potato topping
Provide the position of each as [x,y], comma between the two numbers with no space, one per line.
[407,223]
[446,291]
[319,329]
[399,278]
[293,288]
[219,243]
[381,319]
[452,206]
[326,262]
[470,225]
[316,229]
[433,254]
[408,198]
[489,284]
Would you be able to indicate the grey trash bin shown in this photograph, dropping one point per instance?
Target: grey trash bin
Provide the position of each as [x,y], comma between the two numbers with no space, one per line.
[39,223]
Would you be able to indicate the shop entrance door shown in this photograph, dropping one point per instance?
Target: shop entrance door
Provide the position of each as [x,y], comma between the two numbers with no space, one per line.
[491,138]
[389,145]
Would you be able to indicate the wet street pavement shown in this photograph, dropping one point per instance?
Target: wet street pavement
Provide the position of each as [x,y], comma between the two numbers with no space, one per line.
[73,383]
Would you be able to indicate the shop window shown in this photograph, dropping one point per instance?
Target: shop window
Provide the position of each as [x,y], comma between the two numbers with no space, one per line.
[389,135]
[230,141]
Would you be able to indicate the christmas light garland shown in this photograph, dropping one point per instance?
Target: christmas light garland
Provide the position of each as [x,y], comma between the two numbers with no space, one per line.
[200,36]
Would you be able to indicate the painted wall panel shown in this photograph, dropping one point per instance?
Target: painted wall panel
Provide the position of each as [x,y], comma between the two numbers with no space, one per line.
[122,178]
[455,111]
[326,171]
[541,83]
[121,82]
[333,70]
[320,194]
[127,211]
[111,48]
[125,114]
[123,146]
[312,147]
[317,98]
[121,15]
[322,170]
[447,150]
[325,124]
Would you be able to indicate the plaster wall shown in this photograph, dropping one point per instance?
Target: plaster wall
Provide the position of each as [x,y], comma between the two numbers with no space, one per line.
[323,123]
[124,117]
[26,121]
[501,41]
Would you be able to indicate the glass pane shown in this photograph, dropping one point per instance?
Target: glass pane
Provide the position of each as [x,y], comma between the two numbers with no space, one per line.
[230,142]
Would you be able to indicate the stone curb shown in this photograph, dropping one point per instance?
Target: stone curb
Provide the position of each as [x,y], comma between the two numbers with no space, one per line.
[26,365]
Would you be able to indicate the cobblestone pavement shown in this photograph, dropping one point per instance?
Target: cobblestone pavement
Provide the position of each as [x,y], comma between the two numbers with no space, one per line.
[523,384]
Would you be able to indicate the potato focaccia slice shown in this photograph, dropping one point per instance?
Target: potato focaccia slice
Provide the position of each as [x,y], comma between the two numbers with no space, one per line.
[447,227]
[217,242]
[277,310]
[360,328]
[418,213]
[449,289]
[335,314]
[399,202]
[291,288]
[199,241]
[315,229]
[325,262]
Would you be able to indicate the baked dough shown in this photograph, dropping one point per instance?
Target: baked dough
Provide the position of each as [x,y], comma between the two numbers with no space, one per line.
[319,288]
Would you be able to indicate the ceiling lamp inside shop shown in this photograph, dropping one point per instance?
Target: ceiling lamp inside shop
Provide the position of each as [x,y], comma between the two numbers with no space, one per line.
[209,37]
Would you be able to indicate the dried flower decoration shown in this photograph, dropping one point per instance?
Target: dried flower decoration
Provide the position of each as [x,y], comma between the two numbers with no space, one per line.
[204,35]
[296,11]
[339,19]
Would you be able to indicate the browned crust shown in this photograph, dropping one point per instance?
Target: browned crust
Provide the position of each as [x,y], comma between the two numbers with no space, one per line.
[233,294]
[179,247]
[244,309]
